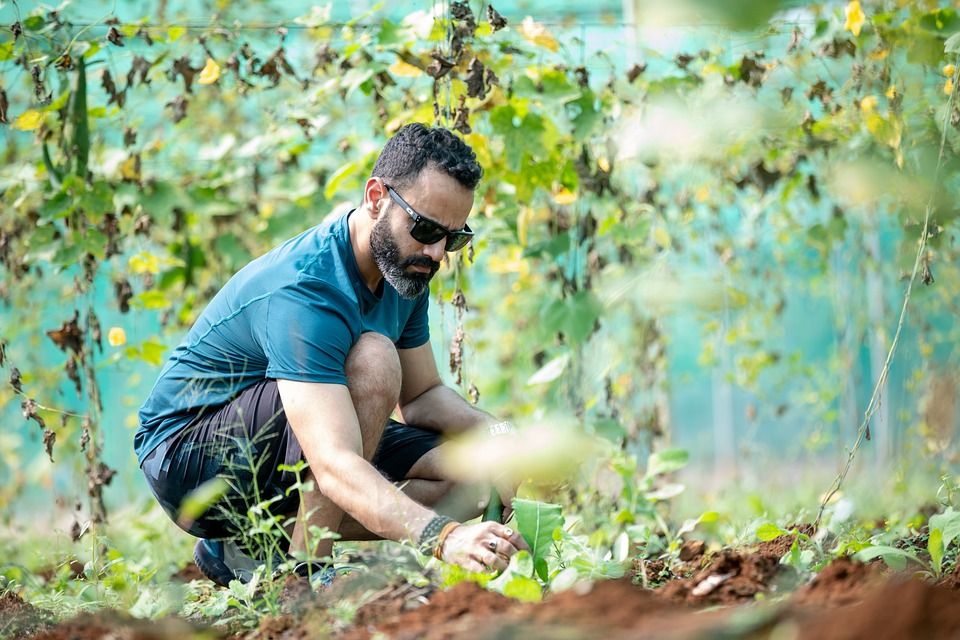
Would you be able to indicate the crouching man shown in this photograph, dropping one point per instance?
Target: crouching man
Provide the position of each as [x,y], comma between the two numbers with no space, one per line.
[304,355]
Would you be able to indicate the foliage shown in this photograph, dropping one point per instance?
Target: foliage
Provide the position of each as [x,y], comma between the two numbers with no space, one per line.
[144,163]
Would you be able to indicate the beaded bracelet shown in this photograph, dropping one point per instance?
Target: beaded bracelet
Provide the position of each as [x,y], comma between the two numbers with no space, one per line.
[431,533]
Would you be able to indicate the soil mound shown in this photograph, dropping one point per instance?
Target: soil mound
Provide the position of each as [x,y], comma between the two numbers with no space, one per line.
[458,612]
[779,546]
[900,609]
[844,581]
[731,577]
[110,624]
[19,618]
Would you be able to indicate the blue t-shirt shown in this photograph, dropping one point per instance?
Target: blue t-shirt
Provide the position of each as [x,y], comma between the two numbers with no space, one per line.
[291,314]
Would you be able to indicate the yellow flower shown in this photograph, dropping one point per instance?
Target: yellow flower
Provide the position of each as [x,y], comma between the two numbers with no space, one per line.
[948,86]
[948,70]
[117,337]
[210,73]
[28,120]
[855,17]
[869,103]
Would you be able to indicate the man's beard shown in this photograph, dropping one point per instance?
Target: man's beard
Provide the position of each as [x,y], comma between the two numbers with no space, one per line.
[386,254]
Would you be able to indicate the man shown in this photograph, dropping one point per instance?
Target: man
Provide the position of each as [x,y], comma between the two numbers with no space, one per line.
[305,353]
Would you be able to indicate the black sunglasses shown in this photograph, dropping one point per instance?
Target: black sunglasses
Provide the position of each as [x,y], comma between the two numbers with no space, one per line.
[427,231]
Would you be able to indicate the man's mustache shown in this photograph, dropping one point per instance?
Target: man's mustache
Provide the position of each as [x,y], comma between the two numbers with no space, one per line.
[420,261]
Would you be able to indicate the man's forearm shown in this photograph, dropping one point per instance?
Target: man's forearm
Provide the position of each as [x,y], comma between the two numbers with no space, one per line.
[358,488]
[443,409]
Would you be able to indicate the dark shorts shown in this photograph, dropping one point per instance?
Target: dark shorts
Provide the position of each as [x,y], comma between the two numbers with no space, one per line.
[244,442]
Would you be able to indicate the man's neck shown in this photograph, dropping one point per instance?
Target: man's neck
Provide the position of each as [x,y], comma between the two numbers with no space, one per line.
[360,242]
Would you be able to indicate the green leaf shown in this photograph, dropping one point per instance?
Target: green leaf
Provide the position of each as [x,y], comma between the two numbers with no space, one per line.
[176,32]
[952,45]
[895,558]
[666,461]
[34,23]
[584,115]
[948,523]
[536,522]
[935,548]
[523,588]
[201,499]
[768,531]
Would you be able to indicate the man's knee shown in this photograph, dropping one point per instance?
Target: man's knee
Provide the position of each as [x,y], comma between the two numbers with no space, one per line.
[373,370]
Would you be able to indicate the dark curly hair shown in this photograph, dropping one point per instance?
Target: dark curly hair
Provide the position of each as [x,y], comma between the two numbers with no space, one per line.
[415,147]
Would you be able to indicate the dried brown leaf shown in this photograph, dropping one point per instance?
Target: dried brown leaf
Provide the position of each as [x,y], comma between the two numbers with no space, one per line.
[74,374]
[179,108]
[15,380]
[439,67]
[496,20]
[29,409]
[68,337]
[635,71]
[115,37]
[476,87]
[4,105]
[49,439]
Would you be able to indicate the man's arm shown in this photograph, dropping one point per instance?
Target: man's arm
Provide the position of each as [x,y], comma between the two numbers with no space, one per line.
[323,418]
[426,402]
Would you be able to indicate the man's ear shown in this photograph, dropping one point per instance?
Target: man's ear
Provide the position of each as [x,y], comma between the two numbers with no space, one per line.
[374,193]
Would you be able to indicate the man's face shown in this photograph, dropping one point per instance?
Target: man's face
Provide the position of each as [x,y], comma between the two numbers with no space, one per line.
[405,263]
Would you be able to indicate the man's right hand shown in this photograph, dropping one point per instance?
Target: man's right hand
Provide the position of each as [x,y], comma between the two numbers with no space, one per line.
[482,547]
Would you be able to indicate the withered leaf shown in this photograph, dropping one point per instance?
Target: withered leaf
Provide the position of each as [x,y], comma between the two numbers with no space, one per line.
[85,434]
[115,37]
[179,108]
[76,532]
[123,292]
[476,87]
[17,30]
[635,71]
[116,97]
[820,91]
[39,89]
[786,94]
[3,352]
[837,47]
[68,336]
[138,71]
[439,67]
[461,121]
[473,393]
[4,105]
[145,34]
[74,375]
[926,275]
[183,68]
[49,438]
[129,137]
[456,354]
[64,62]
[15,380]
[93,327]
[29,408]
[496,20]
[101,476]
[459,301]
[683,60]
[751,72]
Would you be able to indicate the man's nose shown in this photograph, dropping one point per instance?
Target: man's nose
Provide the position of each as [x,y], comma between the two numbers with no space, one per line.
[435,251]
